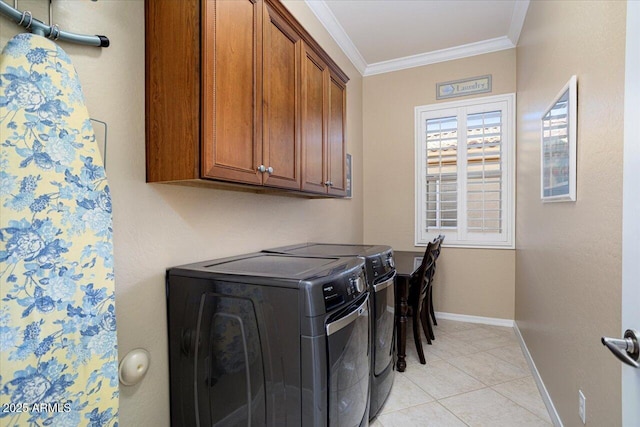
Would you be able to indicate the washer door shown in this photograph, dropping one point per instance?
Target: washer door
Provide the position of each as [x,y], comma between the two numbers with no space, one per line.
[348,348]
[384,312]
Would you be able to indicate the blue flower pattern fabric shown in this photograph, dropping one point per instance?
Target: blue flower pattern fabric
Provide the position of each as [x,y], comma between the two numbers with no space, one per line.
[58,348]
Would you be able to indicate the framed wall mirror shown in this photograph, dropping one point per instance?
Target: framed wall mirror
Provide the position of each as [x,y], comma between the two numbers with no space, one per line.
[558,148]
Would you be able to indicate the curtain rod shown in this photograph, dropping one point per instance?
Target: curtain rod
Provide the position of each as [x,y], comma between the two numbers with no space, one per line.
[26,20]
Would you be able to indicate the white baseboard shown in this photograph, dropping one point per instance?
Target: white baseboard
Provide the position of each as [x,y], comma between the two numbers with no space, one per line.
[553,414]
[494,321]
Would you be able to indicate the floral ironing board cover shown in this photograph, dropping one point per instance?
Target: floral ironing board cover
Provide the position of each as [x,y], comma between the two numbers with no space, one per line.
[58,347]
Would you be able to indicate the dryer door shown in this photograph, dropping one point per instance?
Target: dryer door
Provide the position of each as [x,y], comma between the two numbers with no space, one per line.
[348,348]
[384,311]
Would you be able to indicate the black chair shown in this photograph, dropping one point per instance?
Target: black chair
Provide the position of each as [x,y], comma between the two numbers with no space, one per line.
[436,253]
[427,313]
[418,294]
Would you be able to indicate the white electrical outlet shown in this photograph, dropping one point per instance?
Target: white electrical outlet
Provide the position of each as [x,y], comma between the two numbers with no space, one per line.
[582,407]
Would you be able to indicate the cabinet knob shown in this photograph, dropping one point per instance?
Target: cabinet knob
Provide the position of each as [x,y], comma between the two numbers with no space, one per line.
[262,169]
[269,170]
[327,183]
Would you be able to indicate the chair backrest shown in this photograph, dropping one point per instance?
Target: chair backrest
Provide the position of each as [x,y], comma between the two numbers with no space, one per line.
[436,248]
[424,273]
[438,242]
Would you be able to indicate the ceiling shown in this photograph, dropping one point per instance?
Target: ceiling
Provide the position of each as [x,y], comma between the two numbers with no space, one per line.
[380,36]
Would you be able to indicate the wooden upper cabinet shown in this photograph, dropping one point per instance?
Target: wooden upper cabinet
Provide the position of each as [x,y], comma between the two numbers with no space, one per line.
[336,146]
[314,122]
[281,102]
[237,91]
[232,84]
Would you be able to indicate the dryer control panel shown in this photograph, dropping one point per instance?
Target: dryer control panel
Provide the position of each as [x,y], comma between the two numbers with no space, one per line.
[380,265]
[344,290]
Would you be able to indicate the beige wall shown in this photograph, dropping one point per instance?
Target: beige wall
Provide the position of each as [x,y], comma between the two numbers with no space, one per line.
[568,262]
[485,285]
[157,226]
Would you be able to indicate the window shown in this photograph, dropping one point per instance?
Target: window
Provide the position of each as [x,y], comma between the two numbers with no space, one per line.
[465,170]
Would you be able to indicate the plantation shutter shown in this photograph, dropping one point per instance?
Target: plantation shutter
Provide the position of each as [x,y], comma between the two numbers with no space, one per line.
[465,172]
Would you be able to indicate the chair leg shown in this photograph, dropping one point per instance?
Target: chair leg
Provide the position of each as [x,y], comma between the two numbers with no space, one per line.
[426,327]
[431,311]
[428,330]
[416,336]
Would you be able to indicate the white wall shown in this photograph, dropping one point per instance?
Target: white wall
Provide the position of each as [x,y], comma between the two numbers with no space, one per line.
[156,225]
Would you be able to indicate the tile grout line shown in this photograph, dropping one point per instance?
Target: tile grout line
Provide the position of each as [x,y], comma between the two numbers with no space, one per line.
[457,417]
[523,407]
[496,391]
[511,380]
[506,361]
[458,369]
[464,392]
[483,382]
[425,403]
[407,407]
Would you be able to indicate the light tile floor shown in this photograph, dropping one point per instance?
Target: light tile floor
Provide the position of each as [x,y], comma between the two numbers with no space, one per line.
[476,375]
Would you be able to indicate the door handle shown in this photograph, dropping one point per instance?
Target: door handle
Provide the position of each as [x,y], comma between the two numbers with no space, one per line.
[380,286]
[336,325]
[627,349]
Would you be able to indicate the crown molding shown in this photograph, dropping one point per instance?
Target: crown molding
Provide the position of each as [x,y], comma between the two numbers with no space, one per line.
[517,20]
[442,55]
[329,21]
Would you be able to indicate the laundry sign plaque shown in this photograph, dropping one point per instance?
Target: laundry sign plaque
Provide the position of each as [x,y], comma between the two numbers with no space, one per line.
[463,87]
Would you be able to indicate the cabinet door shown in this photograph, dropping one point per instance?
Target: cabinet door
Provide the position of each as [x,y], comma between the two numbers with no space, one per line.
[314,114]
[336,146]
[172,90]
[281,102]
[232,77]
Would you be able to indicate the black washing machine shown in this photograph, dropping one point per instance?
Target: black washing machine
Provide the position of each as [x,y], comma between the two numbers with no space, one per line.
[380,276]
[269,340]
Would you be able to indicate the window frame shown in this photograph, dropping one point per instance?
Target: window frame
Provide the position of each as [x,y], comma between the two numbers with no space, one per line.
[462,108]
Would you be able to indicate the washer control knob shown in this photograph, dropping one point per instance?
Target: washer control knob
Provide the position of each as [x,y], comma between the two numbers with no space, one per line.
[359,283]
